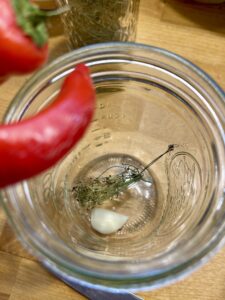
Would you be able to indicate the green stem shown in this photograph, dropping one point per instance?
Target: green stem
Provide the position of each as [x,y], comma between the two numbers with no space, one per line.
[113,190]
[32,20]
[170,148]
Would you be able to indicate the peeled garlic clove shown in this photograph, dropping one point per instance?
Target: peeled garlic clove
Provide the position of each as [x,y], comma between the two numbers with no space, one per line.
[106,221]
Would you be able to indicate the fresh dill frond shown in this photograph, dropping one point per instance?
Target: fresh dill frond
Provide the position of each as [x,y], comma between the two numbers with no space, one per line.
[91,192]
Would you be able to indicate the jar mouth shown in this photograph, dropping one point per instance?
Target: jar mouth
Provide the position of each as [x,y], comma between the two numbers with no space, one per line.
[208,97]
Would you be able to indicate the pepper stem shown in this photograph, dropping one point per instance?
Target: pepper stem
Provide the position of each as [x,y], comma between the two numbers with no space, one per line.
[32,20]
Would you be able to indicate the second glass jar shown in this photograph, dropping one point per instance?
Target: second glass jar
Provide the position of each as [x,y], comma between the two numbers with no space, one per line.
[89,22]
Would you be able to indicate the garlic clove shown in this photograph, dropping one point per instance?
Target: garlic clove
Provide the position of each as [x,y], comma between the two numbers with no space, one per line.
[106,221]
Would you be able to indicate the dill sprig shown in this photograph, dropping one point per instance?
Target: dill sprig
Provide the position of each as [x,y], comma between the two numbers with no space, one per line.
[94,191]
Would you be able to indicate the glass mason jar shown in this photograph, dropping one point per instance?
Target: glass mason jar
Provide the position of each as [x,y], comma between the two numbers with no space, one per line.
[89,22]
[147,98]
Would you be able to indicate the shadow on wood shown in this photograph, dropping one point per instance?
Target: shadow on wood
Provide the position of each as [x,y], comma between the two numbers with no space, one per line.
[189,13]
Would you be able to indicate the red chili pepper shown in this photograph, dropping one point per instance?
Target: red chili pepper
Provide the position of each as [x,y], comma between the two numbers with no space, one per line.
[33,145]
[23,38]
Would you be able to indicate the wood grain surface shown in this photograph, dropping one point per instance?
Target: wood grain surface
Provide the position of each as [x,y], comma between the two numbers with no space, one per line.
[192,30]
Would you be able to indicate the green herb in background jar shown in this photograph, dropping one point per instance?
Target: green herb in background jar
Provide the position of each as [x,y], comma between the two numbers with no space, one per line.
[90,22]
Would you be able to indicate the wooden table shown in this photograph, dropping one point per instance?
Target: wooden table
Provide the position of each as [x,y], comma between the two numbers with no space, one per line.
[194,31]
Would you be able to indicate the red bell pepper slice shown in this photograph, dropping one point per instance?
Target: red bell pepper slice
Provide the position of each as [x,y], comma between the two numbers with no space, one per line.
[35,144]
